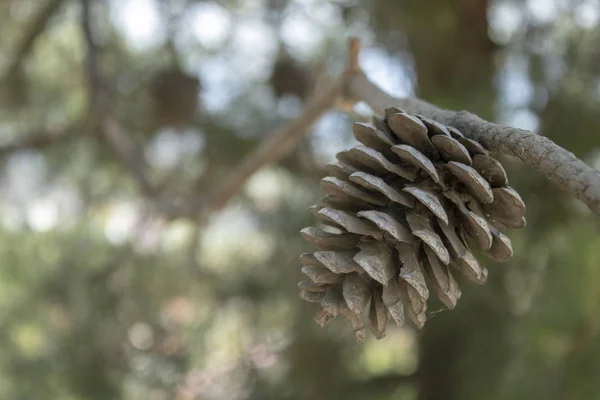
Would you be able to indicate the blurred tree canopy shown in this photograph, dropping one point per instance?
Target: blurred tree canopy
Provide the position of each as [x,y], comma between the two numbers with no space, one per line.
[103,296]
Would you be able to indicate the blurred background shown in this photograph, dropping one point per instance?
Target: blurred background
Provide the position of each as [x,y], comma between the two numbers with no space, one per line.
[104,295]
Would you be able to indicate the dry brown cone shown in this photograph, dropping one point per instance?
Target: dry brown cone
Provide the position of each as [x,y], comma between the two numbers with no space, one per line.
[403,205]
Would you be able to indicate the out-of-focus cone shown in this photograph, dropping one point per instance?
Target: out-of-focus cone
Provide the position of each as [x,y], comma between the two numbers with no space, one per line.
[405,204]
[291,78]
[175,96]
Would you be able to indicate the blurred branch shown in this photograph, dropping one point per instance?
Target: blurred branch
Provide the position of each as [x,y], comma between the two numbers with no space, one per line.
[99,100]
[92,50]
[539,152]
[271,150]
[42,137]
[126,149]
[274,147]
[39,139]
[35,29]
[133,159]
[556,163]
[278,144]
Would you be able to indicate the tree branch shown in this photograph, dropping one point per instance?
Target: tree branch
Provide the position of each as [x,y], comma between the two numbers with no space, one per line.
[38,140]
[127,151]
[556,163]
[542,154]
[277,145]
[95,80]
[545,156]
[36,28]
[42,137]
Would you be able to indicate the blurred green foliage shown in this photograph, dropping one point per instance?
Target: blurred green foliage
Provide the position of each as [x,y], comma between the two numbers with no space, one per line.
[102,297]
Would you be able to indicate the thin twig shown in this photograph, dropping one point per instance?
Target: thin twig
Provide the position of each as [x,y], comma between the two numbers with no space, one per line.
[130,156]
[127,151]
[353,53]
[36,28]
[92,51]
[542,154]
[41,137]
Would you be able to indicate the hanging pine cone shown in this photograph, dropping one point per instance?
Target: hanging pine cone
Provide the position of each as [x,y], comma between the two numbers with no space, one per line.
[404,204]
[290,78]
[176,97]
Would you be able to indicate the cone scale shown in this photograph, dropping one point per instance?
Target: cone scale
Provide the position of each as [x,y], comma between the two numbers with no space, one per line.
[401,212]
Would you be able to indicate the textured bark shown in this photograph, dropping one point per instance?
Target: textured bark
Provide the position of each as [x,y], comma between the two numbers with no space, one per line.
[557,164]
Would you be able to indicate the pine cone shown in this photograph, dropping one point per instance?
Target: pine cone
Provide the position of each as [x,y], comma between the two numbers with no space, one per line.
[405,203]
[290,78]
[176,97]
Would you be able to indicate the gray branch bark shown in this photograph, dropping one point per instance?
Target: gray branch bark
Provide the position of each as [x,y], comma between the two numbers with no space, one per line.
[542,154]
